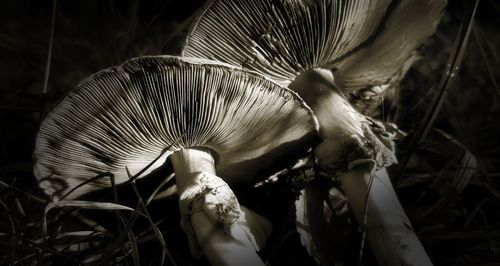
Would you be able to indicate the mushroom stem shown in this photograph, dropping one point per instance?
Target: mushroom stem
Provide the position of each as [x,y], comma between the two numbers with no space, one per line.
[348,137]
[187,162]
[222,249]
[388,229]
[211,215]
[352,146]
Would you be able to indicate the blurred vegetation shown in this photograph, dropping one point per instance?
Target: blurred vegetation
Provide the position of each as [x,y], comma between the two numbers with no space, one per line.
[450,187]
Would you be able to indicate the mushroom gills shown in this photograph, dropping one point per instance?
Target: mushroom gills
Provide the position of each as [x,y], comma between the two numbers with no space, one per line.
[134,110]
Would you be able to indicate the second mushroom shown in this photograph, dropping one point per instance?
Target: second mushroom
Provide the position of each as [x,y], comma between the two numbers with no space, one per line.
[327,51]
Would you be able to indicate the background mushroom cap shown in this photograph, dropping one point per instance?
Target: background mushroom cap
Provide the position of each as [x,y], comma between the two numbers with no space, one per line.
[364,46]
[366,43]
[126,115]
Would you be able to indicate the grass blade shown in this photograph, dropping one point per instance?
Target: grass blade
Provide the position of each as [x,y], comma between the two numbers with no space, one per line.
[49,59]
[156,230]
[83,205]
[445,85]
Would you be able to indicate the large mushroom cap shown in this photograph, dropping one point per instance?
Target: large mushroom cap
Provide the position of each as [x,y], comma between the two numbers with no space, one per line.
[364,42]
[125,116]
[331,52]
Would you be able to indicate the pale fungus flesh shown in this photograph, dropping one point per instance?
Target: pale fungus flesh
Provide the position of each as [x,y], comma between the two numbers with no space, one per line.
[205,114]
[327,50]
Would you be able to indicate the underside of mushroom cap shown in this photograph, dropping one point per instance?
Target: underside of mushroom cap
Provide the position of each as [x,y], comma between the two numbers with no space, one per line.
[124,116]
[364,42]
[361,43]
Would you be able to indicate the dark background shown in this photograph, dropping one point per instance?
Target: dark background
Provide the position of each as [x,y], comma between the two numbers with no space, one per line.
[456,214]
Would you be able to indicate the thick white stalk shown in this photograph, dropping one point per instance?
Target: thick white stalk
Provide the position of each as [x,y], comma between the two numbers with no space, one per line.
[188,162]
[352,141]
[388,230]
[236,245]
[237,249]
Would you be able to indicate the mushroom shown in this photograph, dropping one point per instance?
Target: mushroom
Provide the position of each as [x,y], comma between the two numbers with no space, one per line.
[208,116]
[326,50]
